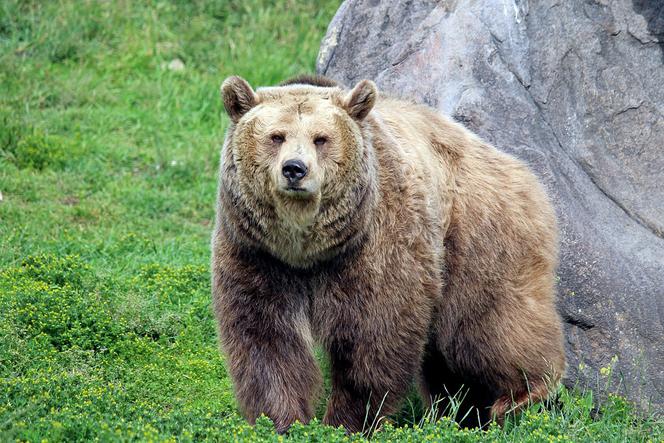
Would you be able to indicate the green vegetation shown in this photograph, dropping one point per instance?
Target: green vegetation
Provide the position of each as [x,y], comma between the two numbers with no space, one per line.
[108,160]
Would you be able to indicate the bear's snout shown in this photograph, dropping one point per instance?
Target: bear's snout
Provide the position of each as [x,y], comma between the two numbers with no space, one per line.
[294,171]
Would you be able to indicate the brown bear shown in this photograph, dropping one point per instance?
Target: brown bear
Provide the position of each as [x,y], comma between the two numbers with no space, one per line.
[405,246]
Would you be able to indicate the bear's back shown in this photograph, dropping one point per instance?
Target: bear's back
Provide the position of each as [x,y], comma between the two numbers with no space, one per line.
[475,189]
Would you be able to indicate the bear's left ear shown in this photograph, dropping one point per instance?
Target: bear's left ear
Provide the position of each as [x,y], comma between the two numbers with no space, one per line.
[359,102]
[238,97]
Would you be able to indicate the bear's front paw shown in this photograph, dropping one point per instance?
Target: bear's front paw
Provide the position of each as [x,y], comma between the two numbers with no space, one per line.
[344,418]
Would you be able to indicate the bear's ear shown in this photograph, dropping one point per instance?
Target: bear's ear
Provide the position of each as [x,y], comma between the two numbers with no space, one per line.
[238,97]
[359,102]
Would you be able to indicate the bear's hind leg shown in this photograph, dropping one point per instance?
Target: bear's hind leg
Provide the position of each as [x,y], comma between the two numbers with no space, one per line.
[449,394]
[505,404]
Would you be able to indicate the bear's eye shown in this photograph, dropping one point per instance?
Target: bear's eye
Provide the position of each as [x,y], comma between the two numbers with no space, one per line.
[277,138]
[320,141]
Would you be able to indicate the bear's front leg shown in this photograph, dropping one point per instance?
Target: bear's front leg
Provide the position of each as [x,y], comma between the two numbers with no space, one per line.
[368,382]
[261,311]
[374,327]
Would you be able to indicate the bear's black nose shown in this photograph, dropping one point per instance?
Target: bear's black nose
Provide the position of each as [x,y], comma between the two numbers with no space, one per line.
[294,170]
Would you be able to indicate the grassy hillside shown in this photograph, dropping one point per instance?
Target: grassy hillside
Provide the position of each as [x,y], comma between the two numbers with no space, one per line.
[110,127]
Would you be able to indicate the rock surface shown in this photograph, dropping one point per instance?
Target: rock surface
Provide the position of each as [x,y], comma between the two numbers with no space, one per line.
[576,89]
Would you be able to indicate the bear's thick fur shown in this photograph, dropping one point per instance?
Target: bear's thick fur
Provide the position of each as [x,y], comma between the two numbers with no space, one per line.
[404,245]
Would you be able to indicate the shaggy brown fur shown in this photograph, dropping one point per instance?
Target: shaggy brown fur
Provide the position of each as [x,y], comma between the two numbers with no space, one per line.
[308,79]
[411,250]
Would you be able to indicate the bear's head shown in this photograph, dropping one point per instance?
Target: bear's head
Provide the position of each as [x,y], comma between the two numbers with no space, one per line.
[297,164]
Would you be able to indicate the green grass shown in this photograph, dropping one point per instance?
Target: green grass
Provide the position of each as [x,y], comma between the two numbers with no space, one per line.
[108,164]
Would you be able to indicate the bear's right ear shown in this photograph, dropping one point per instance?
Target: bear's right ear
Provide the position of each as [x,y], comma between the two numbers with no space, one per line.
[238,97]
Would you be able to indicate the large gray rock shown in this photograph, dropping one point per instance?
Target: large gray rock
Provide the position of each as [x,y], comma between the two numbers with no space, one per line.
[576,89]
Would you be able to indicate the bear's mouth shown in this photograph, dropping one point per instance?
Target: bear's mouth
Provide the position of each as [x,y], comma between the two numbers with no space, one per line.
[297,192]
